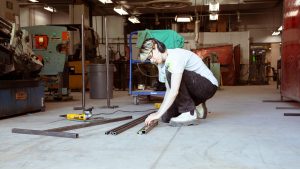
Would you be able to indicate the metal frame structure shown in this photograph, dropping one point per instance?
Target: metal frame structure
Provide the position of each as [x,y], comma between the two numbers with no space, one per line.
[137,93]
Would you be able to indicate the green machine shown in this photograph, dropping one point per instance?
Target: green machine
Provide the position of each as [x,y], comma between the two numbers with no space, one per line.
[51,44]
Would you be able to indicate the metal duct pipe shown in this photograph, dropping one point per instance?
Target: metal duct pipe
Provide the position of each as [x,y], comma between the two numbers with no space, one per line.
[174,27]
[197,25]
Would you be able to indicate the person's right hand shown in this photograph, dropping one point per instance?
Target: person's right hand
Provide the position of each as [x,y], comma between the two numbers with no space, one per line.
[151,118]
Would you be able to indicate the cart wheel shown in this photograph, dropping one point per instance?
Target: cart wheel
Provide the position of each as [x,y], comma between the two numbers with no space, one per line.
[136,100]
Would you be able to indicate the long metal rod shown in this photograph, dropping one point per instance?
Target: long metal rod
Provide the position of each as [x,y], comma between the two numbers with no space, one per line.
[127,126]
[83,62]
[94,123]
[147,129]
[107,63]
[45,133]
[288,108]
[291,114]
[278,101]
[116,132]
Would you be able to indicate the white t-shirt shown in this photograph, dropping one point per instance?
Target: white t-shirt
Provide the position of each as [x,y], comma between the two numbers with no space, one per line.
[179,60]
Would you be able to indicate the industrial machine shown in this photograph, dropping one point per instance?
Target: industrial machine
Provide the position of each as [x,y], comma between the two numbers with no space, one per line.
[21,90]
[51,43]
[60,49]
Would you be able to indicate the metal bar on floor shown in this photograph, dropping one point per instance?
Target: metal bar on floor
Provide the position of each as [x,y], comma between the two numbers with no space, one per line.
[291,114]
[287,107]
[45,133]
[59,132]
[93,123]
[126,126]
[146,129]
[278,101]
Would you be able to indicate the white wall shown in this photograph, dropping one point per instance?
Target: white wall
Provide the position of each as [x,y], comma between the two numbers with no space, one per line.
[37,16]
[275,54]
[115,33]
[60,18]
[261,25]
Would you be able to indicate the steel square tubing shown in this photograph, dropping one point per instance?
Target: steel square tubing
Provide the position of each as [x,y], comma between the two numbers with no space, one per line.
[128,125]
[146,129]
[58,132]
[93,123]
[45,133]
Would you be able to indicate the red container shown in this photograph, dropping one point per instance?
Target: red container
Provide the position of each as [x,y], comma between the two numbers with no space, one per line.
[290,62]
[225,57]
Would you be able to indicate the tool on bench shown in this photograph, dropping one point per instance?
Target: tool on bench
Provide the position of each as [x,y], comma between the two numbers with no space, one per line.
[85,115]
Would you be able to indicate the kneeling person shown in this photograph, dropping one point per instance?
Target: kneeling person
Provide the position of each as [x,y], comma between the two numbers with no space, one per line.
[189,83]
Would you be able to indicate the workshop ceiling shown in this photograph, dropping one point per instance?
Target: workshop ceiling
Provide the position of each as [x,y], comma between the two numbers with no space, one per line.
[140,7]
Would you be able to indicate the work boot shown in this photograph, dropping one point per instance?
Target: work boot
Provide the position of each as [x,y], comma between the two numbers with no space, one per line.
[201,111]
[184,119]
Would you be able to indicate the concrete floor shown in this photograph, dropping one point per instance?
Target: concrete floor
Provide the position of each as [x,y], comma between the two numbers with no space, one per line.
[242,132]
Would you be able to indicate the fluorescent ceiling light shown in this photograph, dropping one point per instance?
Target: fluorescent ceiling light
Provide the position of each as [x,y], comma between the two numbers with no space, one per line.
[292,13]
[106,1]
[275,33]
[120,10]
[280,28]
[213,17]
[50,9]
[33,0]
[183,18]
[134,19]
[214,6]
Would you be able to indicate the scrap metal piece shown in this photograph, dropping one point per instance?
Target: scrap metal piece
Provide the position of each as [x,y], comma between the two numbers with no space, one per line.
[126,126]
[147,129]
[45,133]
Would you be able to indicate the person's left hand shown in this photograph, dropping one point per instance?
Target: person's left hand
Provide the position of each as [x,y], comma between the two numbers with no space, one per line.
[151,118]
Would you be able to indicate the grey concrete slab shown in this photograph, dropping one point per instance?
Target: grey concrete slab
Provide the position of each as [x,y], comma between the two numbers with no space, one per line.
[241,132]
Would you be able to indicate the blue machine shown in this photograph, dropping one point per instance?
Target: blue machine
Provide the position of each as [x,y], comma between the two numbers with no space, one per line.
[21,96]
[20,88]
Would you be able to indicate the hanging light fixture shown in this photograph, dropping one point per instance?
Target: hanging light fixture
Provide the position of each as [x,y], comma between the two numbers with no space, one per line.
[275,33]
[213,17]
[183,18]
[214,6]
[120,10]
[106,1]
[134,19]
[34,1]
[49,8]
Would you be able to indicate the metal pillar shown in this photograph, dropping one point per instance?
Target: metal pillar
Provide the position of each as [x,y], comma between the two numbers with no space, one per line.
[107,68]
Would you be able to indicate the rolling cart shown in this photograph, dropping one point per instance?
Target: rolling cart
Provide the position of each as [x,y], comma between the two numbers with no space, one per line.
[137,93]
[169,37]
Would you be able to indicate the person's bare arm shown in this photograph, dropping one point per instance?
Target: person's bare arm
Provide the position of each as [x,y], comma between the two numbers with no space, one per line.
[169,98]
